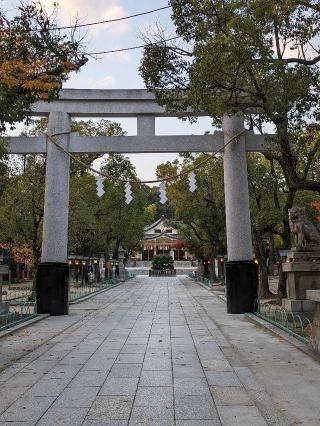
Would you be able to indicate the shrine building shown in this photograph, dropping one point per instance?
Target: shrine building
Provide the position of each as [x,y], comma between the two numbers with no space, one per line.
[160,238]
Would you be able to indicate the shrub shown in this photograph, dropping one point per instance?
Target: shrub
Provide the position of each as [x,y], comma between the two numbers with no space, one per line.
[161,262]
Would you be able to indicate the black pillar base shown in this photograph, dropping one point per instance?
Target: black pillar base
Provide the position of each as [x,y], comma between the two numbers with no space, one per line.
[53,288]
[242,286]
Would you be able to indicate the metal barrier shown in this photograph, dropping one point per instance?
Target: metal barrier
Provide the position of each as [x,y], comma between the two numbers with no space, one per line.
[22,293]
[18,313]
[203,280]
[294,324]
[22,301]
[77,292]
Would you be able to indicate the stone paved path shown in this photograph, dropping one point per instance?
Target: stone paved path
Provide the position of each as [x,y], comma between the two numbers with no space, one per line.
[144,353]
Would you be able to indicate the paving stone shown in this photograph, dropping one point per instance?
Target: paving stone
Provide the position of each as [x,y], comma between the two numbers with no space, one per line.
[222,378]
[216,365]
[191,386]
[88,378]
[190,371]
[234,415]
[48,387]
[40,366]
[75,358]
[111,408]
[63,416]
[212,422]
[157,363]
[23,379]
[130,358]
[104,423]
[137,341]
[156,378]
[155,416]
[228,395]
[119,386]
[154,396]
[195,407]
[125,370]
[77,397]
[31,423]
[9,395]
[133,349]
[27,408]
[61,371]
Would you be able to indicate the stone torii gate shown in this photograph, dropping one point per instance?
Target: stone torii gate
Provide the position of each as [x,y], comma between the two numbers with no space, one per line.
[53,271]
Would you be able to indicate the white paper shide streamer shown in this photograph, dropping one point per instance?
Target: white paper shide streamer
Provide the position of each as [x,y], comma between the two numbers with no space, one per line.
[99,183]
[192,181]
[163,193]
[128,193]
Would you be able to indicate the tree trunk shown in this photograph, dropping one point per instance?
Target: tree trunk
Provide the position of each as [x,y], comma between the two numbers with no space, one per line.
[282,284]
[271,256]
[261,256]
[263,290]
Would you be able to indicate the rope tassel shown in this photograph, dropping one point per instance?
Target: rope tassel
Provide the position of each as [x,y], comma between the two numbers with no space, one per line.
[128,192]
[192,181]
[163,193]
[99,183]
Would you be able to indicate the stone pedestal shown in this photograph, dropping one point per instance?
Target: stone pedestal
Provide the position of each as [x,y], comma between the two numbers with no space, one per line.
[314,296]
[53,288]
[242,286]
[299,306]
[122,269]
[303,273]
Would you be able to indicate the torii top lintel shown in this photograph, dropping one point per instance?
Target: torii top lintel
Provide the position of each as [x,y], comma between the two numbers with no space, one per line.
[106,103]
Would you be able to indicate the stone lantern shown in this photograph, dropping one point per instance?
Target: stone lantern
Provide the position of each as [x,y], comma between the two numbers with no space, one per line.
[122,269]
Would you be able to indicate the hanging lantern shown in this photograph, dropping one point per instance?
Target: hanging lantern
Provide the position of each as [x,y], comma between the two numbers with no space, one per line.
[99,183]
[192,181]
[163,193]
[128,193]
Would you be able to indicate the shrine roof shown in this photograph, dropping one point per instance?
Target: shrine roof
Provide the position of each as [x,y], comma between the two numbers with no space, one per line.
[157,236]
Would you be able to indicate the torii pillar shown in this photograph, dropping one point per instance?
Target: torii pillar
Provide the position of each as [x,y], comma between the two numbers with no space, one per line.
[241,271]
[53,271]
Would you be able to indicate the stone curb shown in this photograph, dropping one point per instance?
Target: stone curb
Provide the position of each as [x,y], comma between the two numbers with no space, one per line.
[23,325]
[303,347]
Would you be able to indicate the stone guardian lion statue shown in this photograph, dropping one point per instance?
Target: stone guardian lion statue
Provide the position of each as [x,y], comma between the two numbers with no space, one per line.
[304,232]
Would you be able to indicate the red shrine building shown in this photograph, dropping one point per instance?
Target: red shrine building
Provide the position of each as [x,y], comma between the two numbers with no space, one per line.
[159,238]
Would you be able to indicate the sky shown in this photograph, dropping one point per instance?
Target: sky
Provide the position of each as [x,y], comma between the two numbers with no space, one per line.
[119,70]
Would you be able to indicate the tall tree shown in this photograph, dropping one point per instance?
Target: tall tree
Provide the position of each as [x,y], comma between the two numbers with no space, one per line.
[35,59]
[239,55]
[122,224]
[21,208]
[235,56]
[198,216]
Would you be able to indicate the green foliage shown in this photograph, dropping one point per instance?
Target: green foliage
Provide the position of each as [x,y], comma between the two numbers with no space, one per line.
[21,207]
[95,225]
[162,262]
[199,217]
[83,228]
[122,224]
[236,55]
[34,61]
[255,49]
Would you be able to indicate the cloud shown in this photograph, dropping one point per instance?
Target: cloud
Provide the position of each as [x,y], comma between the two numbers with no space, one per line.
[85,11]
